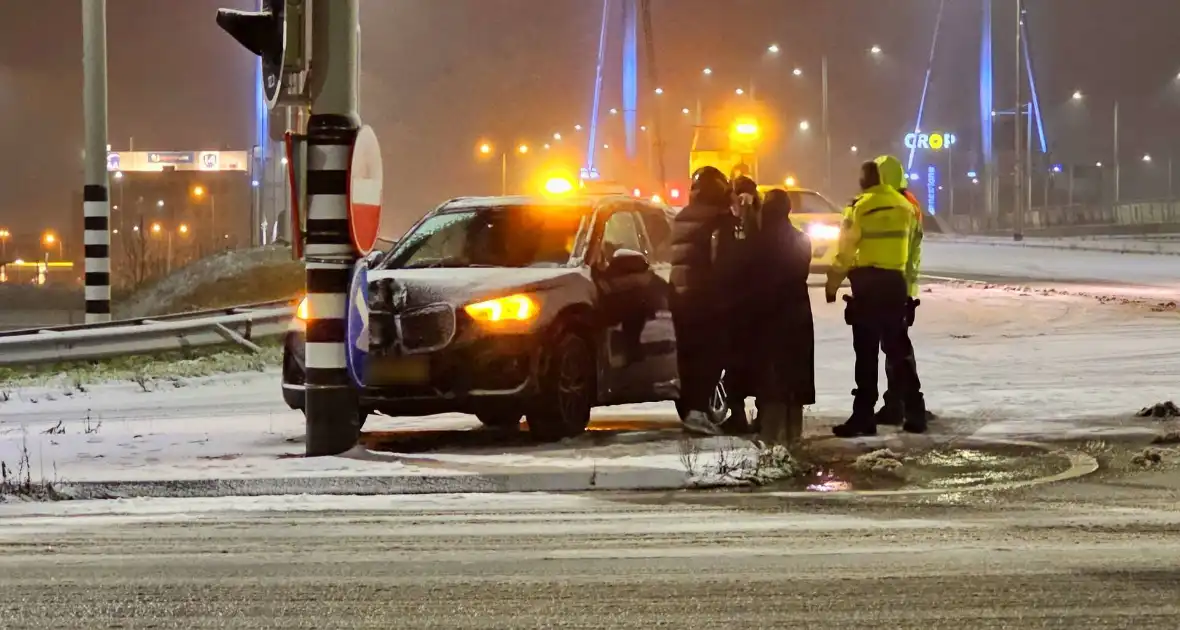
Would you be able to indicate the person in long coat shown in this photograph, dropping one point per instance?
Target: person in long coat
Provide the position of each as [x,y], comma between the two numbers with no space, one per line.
[780,332]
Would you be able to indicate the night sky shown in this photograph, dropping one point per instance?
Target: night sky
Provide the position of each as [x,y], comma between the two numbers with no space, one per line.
[440,75]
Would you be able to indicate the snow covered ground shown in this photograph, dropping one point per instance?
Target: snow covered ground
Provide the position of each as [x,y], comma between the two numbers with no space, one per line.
[995,362]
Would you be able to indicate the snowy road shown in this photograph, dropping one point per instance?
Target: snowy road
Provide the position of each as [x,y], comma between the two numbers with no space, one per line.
[611,561]
[1143,274]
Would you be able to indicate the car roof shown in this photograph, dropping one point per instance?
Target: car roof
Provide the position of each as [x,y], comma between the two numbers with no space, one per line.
[562,201]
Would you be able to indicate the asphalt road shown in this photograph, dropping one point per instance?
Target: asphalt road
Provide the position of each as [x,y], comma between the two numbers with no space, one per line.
[610,561]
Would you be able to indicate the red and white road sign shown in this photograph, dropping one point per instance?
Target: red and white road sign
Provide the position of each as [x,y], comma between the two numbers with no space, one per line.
[364,191]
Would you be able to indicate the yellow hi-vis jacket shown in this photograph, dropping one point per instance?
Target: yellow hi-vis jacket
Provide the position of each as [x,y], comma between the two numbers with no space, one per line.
[893,174]
[877,232]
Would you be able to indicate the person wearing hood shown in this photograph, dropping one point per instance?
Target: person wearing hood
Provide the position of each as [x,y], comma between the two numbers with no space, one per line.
[892,411]
[701,233]
[875,255]
[774,331]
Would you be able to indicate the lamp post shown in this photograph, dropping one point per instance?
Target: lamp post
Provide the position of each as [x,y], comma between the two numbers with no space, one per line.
[486,149]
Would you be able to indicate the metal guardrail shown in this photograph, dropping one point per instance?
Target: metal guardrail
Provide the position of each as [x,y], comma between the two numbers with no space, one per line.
[240,325]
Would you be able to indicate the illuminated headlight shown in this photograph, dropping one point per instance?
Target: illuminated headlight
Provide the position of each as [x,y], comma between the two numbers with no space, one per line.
[823,232]
[513,308]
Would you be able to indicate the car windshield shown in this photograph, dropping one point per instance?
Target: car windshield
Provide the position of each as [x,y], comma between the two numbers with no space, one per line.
[494,236]
[811,203]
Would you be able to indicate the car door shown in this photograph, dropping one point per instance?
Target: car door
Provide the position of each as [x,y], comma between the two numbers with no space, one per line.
[660,335]
[625,308]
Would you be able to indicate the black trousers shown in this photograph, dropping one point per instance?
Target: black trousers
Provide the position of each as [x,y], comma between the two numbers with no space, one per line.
[893,395]
[877,314]
[700,353]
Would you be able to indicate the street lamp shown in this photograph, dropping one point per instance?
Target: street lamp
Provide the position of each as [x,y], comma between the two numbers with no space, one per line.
[685,111]
[486,149]
[614,111]
[876,50]
[183,228]
[707,71]
[160,203]
[855,149]
[804,126]
[557,136]
[797,72]
[739,91]
[49,239]
[773,49]
[1146,157]
[659,90]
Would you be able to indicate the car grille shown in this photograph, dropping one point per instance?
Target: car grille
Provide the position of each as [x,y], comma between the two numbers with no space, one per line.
[426,329]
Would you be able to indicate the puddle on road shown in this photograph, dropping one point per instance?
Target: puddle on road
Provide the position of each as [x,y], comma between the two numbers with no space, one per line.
[950,469]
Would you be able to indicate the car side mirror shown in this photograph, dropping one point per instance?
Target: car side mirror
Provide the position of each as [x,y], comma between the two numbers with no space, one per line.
[373,258]
[627,262]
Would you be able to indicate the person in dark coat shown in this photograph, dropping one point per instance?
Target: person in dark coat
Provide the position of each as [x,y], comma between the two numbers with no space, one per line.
[774,339]
[700,232]
[740,316]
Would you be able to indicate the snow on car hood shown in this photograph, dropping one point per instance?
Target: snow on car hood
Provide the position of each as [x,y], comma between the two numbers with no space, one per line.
[460,285]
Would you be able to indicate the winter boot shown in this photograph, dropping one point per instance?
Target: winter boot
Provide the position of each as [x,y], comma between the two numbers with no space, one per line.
[699,422]
[861,423]
[891,413]
[916,415]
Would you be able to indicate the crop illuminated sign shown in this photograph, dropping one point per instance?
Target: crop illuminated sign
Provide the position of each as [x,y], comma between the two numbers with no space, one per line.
[930,141]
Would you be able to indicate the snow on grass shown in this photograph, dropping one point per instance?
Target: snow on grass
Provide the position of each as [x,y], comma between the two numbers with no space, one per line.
[74,377]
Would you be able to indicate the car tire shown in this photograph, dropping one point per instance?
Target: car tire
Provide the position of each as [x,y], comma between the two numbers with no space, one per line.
[568,389]
[500,419]
[718,405]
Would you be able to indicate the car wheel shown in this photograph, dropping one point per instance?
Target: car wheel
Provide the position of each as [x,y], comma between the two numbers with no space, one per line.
[718,404]
[567,390]
[500,419]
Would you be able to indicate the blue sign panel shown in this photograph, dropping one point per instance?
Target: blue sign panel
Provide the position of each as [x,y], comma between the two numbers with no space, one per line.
[172,157]
[932,189]
[358,323]
[114,162]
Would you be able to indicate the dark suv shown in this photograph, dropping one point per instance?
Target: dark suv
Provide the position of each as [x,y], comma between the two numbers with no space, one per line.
[506,307]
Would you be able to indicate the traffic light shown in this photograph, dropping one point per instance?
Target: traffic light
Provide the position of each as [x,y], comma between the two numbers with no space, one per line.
[274,33]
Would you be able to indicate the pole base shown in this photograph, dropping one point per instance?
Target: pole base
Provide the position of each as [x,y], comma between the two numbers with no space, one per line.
[1018,237]
[332,420]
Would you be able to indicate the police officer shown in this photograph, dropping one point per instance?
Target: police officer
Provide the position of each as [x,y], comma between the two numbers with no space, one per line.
[892,412]
[875,255]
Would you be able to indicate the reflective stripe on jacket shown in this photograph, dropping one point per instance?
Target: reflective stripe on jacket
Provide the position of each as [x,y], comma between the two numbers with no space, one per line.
[877,232]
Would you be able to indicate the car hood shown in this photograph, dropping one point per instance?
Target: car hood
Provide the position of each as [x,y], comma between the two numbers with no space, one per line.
[464,285]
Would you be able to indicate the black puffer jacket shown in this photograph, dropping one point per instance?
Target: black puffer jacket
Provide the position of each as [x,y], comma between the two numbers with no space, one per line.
[695,266]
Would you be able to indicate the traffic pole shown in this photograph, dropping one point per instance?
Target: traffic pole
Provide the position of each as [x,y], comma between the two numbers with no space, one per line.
[331,407]
[96,206]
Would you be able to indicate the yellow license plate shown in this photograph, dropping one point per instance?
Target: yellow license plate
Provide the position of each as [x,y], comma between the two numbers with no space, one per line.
[413,370]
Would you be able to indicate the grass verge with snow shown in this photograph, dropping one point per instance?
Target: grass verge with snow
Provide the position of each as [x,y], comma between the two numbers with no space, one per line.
[144,369]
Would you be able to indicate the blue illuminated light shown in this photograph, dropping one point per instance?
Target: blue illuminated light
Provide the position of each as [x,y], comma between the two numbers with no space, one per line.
[932,189]
[1057,168]
[972,174]
[630,73]
[913,177]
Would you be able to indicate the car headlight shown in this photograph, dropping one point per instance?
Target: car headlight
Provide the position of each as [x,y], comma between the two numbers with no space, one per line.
[512,308]
[823,231]
[301,310]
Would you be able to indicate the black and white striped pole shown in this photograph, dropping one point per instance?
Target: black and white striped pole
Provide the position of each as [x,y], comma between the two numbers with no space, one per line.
[96,205]
[274,33]
[331,405]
